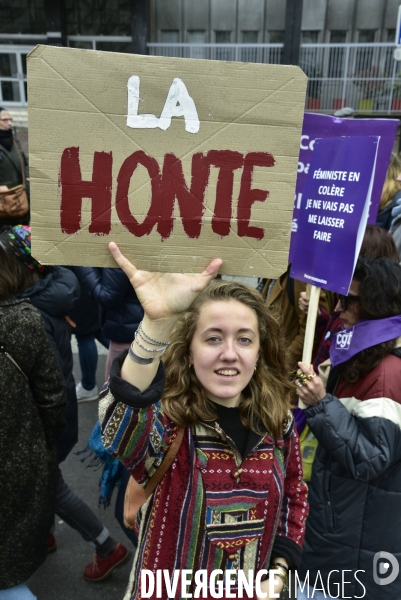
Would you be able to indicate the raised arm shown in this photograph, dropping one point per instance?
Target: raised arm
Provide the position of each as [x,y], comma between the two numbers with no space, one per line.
[164,296]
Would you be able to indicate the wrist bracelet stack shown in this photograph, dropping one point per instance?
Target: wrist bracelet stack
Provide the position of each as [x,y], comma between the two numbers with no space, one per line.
[157,351]
[282,573]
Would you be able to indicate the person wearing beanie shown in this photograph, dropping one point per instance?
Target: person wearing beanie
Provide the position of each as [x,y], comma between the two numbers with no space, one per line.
[14,171]
[32,400]
[54,291]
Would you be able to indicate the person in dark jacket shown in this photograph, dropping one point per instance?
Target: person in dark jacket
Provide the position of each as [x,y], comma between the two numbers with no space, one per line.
[54,294]
[376,242]
[32,398]
[14,171]
[120,314]
[53,291]
[355,492]
[120,310]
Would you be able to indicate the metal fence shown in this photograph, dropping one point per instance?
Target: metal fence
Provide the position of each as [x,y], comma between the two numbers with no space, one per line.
[258,53]
[364,76]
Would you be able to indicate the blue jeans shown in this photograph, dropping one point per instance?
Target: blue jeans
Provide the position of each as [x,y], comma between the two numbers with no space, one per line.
[87,351]
[18,592]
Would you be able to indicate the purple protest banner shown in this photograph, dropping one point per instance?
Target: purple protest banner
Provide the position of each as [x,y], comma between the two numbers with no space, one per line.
[325,126]
[334,212]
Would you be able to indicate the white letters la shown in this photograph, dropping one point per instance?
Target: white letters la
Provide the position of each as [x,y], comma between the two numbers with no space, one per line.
[178,104]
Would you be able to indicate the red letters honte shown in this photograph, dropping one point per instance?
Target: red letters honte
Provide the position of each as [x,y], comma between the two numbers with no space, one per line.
[167,185]
[190,201]
[247,195]
[227,161]
[73,189]
[123,180]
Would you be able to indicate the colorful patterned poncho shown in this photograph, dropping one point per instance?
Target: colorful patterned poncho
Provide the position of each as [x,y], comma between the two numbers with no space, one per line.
[213,509]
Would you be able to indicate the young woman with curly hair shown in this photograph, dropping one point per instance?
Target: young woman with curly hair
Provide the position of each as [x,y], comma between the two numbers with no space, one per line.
[355,491]
[233,498]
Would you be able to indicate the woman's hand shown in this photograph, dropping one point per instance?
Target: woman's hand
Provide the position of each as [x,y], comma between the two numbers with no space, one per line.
[303,302]
[264,587]
[164,295]
[310,387]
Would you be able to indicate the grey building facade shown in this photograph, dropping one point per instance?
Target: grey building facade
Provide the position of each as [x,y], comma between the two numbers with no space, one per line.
[263,21]
[346,45]
[203,21]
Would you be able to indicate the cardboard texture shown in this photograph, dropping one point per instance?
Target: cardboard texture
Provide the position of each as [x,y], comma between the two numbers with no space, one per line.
[176,192]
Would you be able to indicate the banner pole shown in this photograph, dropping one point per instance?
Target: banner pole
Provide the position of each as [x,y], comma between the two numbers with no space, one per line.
[314,295]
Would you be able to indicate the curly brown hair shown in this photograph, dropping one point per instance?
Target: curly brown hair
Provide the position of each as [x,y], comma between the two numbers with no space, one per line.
[379,298]
[267,396]
[365,361]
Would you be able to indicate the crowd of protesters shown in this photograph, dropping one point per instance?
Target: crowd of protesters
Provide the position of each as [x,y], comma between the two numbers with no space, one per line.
[207,372]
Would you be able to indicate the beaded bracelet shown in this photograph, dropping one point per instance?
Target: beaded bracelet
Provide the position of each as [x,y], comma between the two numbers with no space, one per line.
[145,348]
[151,340]
[139,333]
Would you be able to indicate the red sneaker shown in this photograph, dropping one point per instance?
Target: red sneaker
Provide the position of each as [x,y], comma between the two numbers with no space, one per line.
[51,544]
[101,568]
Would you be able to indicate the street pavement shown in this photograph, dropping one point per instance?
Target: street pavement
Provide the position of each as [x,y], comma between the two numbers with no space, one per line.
[60,577]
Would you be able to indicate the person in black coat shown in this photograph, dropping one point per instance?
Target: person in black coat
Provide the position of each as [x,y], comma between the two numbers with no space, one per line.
[355,490]
[120,314]
[14,171]
[32,398]
[120,310]
[54,292]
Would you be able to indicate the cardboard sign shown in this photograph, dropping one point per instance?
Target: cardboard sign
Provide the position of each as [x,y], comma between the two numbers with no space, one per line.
[324,126]
[334,213]
[177,160]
